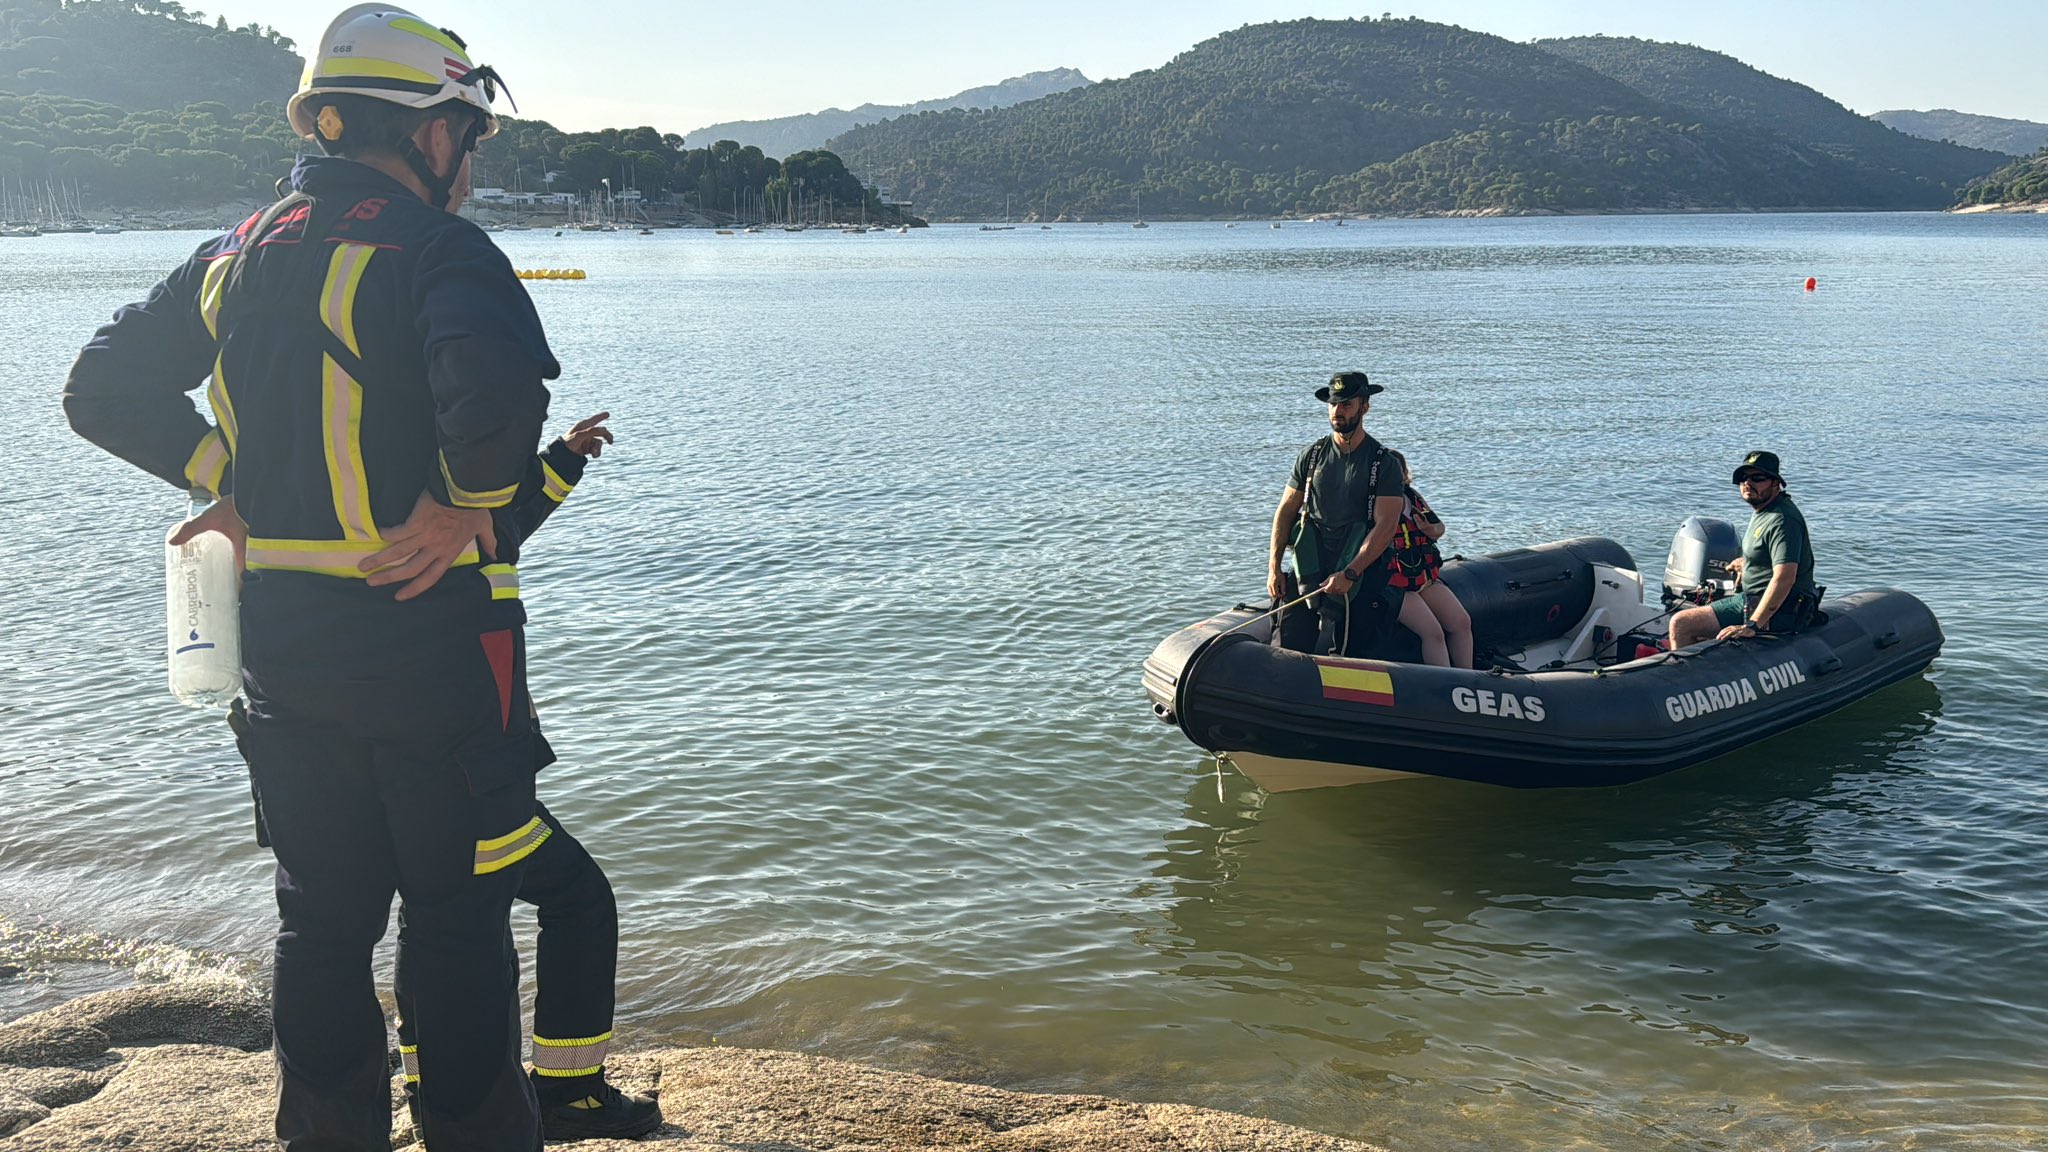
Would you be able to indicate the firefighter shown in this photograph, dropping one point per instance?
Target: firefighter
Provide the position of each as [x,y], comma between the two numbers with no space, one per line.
[576,960]
[377,389]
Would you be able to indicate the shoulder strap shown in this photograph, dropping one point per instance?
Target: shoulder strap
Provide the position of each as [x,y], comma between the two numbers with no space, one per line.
[231,288]
[1372,480]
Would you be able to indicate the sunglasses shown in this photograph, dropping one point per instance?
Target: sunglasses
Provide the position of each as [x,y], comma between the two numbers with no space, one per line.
[487,77]
[1753,478]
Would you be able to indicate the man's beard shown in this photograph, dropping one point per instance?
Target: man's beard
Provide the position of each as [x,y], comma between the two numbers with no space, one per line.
[1345,426]
[1755,501]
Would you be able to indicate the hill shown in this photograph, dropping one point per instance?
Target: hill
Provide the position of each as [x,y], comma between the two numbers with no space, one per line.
[1395,116]
[1995,133]
[140,55]
[788,134]
[2021,182]
[1713,86]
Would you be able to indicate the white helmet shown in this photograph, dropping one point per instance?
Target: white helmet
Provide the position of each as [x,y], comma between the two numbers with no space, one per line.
[387,53]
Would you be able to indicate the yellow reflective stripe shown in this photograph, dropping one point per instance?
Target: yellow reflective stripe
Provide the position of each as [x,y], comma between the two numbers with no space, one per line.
[417,28]
[210,293]
[341,426]
[463,498]
[338,296]
[551,483]
[209,463]
[223,408]
[511,848]
[326,557]
[590,1070]
[383,69]
[504,580]
[409,1058]
[584,1057]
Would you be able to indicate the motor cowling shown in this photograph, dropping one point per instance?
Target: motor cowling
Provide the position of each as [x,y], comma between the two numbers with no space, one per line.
[1697,569]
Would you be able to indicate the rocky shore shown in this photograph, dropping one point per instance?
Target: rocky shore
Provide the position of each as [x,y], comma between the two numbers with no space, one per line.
[186,1068]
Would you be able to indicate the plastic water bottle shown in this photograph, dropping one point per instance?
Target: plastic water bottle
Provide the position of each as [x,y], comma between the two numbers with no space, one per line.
[202,611]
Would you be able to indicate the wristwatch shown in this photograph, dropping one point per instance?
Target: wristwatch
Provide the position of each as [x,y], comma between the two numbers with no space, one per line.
[1354,577]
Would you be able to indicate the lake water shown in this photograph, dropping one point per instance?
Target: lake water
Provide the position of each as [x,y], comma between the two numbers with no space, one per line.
[841,650]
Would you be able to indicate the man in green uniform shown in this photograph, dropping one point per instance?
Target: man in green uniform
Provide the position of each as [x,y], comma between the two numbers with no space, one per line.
[1778,594]
[1340,510]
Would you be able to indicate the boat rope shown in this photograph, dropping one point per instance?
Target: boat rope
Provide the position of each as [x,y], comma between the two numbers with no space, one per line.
[1302,599]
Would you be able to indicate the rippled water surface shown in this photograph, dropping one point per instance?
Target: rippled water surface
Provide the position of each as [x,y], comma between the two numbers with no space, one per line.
[841,651]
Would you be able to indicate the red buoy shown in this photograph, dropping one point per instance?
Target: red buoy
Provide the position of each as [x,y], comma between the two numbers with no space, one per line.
[1811,283]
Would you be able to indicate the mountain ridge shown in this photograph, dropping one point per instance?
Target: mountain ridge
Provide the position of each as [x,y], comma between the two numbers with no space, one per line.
[1996,133]
[1410,116]
[783,135]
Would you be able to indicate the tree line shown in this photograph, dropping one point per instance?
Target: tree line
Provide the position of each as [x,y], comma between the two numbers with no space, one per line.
[2017,182]
[206,153]
[144,103]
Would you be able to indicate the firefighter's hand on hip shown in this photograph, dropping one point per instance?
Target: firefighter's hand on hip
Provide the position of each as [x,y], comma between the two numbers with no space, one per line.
[432,538]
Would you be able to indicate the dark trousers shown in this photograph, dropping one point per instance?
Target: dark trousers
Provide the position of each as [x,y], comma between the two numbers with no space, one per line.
[1336,625]
[415,779]
[575,966]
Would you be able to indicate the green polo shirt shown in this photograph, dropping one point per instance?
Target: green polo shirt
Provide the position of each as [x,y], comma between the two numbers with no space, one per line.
[1338,498]
[1777,535]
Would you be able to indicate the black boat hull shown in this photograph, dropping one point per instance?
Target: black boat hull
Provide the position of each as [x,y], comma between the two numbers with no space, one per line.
[1290,720]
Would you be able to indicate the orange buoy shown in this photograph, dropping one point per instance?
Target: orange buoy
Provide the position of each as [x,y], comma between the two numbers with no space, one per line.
[1811,283]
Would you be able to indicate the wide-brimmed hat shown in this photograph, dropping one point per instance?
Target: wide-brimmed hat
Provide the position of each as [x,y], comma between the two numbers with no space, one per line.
[1764,462]
[1347,386]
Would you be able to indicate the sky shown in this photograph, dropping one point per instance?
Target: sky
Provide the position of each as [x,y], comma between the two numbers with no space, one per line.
[679,65]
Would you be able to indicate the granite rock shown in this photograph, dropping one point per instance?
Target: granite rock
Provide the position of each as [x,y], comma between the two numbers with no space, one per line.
[181,1079]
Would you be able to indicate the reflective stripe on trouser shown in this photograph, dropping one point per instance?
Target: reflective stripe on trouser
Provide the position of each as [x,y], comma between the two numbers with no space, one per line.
[409,1060]
[504,851]
[576,958]
[363,801]
[504,580]
[583,1057]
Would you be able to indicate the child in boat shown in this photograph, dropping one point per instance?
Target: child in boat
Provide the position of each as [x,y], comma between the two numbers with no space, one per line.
[1428,607]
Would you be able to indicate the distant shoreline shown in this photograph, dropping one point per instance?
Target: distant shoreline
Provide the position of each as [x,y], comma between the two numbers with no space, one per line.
[2016,207]
[220,217]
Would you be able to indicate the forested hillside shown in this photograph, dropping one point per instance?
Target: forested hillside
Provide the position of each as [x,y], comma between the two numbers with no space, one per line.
[2018,182]
[1393,116]
[202,153]
[1712,86]
[140,55]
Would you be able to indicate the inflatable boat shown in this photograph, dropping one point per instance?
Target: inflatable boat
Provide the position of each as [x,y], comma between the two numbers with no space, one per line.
[1577,695]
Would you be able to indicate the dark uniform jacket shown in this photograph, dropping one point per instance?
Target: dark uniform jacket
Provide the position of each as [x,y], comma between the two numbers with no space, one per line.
[374,348]
[550,477]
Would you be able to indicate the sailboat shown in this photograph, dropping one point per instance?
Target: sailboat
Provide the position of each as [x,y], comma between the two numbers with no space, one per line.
[1005,226]
[1140,198]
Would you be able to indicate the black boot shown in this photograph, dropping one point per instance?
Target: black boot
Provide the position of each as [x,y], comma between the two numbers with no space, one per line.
[589,1108]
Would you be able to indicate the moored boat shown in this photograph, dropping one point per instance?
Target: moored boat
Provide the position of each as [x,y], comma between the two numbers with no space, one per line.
[1578,696]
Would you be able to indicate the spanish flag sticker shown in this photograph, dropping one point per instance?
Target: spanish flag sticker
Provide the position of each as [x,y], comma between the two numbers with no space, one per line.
[1358,682]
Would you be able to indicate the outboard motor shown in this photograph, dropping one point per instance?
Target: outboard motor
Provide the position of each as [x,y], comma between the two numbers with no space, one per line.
[1697,570]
